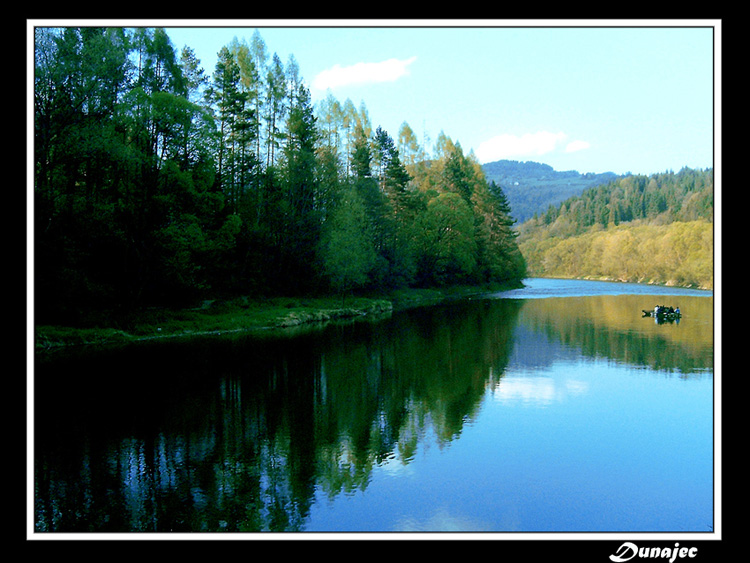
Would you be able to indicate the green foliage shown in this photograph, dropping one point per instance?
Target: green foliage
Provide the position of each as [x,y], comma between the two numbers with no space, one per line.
[663,198]
[159,185]
[446,235]
[347,253]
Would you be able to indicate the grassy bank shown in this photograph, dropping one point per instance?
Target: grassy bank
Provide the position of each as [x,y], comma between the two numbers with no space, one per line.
[247,314]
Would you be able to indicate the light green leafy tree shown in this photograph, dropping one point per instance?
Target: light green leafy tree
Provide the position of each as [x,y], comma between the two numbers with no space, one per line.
[347,254]
[448,249]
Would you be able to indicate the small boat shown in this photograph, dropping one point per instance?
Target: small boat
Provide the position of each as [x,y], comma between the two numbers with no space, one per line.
[663,313]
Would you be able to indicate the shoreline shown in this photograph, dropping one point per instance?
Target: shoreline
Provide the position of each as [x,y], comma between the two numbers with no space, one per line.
[244,314]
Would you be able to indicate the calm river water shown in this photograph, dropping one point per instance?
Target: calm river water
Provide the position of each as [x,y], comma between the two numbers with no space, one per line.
[553,408]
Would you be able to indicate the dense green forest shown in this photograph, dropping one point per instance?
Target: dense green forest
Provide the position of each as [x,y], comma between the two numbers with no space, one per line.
[158,184]
[655,229]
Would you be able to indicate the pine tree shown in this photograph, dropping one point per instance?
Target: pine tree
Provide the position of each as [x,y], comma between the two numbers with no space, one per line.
[275,107]
[302,228]
[361,154]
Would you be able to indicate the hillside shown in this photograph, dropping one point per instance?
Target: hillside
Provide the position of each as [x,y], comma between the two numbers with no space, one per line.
[656,229]
[531,187]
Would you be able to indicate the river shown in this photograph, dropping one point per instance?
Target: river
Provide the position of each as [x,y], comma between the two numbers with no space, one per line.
[554,408]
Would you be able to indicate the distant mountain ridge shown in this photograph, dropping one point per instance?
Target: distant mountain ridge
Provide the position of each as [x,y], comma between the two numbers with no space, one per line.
[531,187]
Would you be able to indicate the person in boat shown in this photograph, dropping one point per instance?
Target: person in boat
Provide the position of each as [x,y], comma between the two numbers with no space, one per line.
[663,310]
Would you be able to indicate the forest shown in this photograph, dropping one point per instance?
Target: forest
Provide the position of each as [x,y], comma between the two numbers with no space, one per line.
[650,229]
[158,183]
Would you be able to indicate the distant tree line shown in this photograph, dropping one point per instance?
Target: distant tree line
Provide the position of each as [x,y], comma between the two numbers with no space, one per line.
[687,195]
[533,186]
[157,185]
[655,229]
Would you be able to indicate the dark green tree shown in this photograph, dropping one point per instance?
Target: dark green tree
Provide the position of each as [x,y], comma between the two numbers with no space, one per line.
[275,108]
[301,228]
[398,219]
[361,154]
[235,118]
[81,144]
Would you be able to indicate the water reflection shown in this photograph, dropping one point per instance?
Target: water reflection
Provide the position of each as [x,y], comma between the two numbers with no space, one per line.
[244,434]
[612,327]
[538,390]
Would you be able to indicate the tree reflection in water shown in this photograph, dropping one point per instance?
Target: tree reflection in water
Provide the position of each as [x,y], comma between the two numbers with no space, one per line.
[242,433]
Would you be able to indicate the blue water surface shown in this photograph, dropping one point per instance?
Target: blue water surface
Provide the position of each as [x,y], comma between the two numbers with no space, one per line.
[554,409]
[538,288]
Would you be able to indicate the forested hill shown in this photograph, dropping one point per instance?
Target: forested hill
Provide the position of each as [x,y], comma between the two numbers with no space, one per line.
[656,229]
[160,183]
[531,187]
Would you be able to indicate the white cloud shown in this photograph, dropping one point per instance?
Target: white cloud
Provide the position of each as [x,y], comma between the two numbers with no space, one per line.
[362,73]
[576,146]
[508,146]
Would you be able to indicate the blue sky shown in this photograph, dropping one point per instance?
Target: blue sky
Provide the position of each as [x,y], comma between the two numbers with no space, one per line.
[617,96]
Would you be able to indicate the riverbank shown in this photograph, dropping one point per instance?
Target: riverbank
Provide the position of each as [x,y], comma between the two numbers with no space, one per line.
[248,314]
[706,286]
